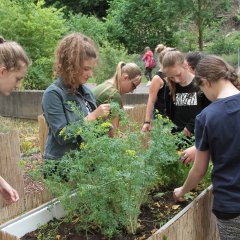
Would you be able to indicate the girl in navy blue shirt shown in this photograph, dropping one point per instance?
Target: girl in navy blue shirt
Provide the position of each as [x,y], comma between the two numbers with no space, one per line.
[217,135]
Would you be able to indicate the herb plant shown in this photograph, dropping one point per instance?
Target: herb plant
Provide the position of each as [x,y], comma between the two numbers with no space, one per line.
[105,182]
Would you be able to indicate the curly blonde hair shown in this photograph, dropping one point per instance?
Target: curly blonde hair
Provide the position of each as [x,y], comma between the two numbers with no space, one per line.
[70,55]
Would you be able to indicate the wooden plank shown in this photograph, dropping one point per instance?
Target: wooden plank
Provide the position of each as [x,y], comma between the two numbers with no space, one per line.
[195,222]
[10,168]
[7,236]
[42,132]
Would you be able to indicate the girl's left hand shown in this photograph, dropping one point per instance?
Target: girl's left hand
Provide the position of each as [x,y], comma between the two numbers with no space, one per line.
[188,155]
[186,132]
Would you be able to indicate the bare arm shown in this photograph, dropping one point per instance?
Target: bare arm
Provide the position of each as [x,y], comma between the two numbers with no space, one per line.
[9,194]
[157,83]
[195,175]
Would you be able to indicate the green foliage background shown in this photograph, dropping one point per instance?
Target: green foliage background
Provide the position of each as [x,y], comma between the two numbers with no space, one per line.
[120,28]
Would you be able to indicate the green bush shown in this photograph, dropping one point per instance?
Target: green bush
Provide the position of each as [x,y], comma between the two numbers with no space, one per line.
[112,177]
[89,25]
[110,56]
[39,75]
[37,29]
[228,44]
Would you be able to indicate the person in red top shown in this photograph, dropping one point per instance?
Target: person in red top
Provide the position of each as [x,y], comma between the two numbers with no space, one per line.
[147,57]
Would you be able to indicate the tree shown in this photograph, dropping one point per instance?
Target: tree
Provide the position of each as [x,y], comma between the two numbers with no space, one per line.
[140,23]
[201,12]
[87,7]
[37,29]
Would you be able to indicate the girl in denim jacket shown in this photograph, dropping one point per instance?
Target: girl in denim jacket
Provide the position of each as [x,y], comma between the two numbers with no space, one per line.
[75,59]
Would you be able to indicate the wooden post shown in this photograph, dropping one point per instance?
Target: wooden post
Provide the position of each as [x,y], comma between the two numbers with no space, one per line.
[10,168]
[7,236]
[136,113]
[43,132]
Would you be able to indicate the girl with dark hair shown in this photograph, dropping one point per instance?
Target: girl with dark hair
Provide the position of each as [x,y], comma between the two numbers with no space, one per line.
[217,137]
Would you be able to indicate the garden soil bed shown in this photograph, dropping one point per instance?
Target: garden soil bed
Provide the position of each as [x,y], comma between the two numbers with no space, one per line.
[159,210]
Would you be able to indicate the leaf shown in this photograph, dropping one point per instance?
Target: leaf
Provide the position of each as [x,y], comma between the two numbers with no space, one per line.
[142,237]
[58,237]
[153,230]
[189,196]
[158,195]
[157,204]
[175,207]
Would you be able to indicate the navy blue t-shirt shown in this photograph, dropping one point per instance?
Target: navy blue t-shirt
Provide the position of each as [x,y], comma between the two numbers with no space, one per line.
[217,129]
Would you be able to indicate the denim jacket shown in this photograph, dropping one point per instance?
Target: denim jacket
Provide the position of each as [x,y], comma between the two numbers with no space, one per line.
[58,114]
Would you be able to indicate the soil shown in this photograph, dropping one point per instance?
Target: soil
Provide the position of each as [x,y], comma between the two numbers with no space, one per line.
[159,210]
[30,185]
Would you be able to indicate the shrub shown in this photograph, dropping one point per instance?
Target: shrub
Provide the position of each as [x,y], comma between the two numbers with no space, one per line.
[89,25]
[112,177]
[110,56]
[227,44]
[37,29]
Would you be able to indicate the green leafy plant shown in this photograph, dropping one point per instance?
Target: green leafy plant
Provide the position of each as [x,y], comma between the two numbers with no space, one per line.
[38,30]
[108,179]
[163,154]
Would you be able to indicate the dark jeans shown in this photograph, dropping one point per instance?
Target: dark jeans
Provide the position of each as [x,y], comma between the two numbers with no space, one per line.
[148,73]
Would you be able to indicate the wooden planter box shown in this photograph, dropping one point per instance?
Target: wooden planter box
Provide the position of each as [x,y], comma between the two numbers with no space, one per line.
[11,171]
[194,222]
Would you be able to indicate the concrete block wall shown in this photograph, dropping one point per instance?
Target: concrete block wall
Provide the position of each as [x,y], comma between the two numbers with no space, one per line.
[27,104]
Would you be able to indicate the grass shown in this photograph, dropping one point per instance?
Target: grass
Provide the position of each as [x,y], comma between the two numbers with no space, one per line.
[27,129]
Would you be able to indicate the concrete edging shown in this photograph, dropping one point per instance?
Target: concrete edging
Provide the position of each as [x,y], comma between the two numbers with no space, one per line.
[27,104]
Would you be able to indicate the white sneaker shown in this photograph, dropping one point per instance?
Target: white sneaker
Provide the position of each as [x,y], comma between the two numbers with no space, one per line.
[148,84]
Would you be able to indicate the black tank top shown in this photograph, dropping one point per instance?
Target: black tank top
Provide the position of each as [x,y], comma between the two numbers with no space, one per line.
[160,103]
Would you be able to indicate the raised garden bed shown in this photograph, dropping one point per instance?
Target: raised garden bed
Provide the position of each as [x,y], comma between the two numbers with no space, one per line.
[194,222]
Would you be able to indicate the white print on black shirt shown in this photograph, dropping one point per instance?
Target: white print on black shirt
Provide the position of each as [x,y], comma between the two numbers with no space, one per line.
[186,99]
[89,109]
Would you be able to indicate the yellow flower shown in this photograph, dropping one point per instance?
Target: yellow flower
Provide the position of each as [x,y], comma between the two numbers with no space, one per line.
[179,153]
[62,132]
[79,132]
[82,146]
[167,119]
[131,152]
[106,124]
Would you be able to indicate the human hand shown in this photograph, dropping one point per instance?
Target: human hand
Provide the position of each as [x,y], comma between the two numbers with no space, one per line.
[187,133]
[146,127]
[103,110]
[9,194]
[178,194]
[188,155]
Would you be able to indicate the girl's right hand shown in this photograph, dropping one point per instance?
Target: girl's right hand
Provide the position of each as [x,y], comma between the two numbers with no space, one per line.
[103,110]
